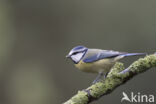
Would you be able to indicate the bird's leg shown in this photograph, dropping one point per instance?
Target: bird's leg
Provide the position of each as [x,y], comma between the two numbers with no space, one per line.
[105,75]
[97,79]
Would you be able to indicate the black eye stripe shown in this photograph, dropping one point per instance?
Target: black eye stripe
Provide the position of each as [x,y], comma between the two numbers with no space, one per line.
[75,53]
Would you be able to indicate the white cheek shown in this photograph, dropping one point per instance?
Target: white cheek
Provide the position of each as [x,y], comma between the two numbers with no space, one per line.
[77,57]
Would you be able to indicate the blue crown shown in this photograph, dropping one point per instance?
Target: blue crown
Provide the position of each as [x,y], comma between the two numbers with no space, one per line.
[78,48]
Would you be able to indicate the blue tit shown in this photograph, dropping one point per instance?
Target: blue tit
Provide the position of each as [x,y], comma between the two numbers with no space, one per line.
[96,60]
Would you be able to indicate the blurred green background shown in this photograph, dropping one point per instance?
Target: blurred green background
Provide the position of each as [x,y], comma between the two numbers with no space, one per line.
[36,35]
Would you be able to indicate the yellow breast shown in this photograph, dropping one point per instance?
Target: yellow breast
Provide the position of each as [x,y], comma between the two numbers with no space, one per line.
[103,65]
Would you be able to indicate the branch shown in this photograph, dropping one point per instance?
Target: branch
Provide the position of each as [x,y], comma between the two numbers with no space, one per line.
[116,77]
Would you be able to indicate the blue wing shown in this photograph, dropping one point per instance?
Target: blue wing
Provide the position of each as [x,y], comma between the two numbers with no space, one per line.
[98,55]
[95,55]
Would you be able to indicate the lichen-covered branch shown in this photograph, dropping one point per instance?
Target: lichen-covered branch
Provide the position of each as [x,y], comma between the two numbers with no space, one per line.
[116,77]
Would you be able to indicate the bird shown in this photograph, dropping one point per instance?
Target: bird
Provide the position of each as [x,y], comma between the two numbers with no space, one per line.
[96,60]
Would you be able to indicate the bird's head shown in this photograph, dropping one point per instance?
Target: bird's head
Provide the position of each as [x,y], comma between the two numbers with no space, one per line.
[77,53]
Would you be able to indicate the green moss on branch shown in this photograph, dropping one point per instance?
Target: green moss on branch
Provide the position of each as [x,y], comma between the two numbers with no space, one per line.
[113,80]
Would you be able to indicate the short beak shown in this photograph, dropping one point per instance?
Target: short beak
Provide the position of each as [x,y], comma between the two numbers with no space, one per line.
[68,56]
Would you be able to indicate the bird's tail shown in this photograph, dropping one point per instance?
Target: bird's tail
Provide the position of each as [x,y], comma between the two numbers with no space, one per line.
[134,54]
